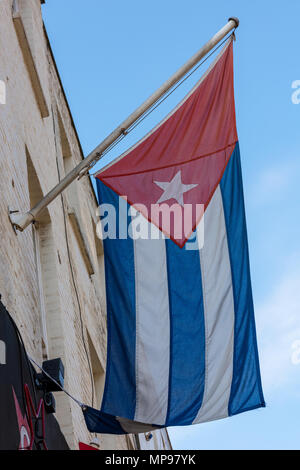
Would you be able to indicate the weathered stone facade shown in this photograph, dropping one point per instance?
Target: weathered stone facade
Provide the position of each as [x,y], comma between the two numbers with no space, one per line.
[51,277]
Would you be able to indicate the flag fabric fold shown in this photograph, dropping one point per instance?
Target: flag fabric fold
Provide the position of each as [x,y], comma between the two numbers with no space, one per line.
[181,331]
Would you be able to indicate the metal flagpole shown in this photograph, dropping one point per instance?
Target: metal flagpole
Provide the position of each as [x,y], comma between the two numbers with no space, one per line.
[21,220]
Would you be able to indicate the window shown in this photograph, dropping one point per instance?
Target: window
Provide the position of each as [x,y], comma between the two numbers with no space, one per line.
[38,262]
[46,272]
[98,373]
[99,279]
[28,38]
[74,209]
[69,164]
[65,146]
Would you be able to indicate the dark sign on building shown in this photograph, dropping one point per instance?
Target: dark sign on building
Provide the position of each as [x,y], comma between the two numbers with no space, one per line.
[27,421]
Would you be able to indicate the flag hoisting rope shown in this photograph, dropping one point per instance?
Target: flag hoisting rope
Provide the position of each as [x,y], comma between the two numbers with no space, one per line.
[22,220]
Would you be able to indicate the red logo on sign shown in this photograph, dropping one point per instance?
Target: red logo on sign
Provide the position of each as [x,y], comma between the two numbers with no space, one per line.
[29,431]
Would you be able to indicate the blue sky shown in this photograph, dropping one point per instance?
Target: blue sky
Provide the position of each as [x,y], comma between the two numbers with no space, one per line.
[111,57]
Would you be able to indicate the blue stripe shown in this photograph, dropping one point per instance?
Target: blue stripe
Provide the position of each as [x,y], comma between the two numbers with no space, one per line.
[187,335]
[120,384]
[101,423]
[246,389]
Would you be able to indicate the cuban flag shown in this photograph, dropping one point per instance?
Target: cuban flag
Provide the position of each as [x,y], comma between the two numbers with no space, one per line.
[182,343]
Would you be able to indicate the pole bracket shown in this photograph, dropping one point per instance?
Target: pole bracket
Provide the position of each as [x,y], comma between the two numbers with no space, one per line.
[20,220]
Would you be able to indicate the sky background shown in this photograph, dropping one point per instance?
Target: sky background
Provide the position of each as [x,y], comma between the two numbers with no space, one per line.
[111,56]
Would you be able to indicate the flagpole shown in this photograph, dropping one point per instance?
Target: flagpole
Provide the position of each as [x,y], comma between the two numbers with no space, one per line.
[21,220]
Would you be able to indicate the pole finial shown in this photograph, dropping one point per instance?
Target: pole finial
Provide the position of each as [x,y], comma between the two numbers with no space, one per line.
[235,19]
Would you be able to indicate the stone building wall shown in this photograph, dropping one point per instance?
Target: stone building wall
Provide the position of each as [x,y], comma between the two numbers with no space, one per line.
[52,276]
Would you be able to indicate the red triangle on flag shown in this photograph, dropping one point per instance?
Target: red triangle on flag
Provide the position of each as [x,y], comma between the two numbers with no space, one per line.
[179,164]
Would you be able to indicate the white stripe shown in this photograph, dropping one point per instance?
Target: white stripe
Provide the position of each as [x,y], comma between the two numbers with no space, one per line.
[218,313]
[133,427]
[152,331]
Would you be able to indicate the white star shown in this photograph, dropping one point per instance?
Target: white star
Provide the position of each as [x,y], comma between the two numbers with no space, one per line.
[174,189]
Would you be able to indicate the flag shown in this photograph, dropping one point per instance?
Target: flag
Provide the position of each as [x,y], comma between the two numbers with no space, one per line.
[182,343]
